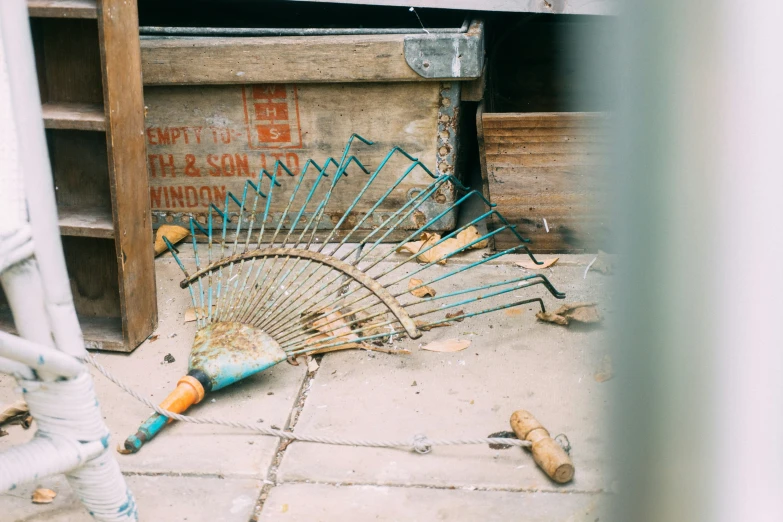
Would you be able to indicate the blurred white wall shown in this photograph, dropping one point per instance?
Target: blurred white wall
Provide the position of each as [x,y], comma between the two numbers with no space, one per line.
[699,212]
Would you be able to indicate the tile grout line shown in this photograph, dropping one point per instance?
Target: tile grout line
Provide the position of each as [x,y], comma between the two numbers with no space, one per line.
[450,488]
[270,480]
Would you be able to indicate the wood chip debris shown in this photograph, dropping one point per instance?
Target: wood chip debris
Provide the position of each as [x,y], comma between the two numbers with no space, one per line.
[173,233]
[586,313]
[437,253]
[530,265]
[447,345]
[43,496]
[420,291]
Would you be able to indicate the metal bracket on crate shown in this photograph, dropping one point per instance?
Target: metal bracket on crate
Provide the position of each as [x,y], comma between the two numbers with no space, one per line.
[447,55]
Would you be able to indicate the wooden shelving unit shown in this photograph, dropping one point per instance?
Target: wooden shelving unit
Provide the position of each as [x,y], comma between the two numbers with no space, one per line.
[76,116]
[63,8]
[89,74]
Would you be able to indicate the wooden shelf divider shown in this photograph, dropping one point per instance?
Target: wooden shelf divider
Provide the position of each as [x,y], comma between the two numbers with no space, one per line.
[77,116]
[62,8]
[86,222]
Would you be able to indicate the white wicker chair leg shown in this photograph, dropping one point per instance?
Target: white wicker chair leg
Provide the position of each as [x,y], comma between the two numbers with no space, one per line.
[71,437]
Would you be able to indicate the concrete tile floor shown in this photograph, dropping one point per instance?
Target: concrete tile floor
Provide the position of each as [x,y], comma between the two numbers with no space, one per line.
[202,472]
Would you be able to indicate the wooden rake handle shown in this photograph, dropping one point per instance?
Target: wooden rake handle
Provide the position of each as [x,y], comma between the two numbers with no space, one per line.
[547,453]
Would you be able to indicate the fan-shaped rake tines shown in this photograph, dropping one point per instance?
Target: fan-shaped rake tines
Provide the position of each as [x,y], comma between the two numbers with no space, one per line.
[311,295]
[274,290]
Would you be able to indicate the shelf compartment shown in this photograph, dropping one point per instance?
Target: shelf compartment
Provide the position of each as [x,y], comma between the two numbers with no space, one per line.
[100,333]
[62,8]
[80,169]
[103,333]
[86,222]
[75,116]
[68,60]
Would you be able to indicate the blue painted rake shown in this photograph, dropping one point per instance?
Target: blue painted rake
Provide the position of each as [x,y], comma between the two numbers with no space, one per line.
[273,292]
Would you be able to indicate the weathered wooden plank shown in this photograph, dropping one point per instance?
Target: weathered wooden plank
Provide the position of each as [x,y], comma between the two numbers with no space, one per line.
[576,7]
[544,147]
[207,140]
[560,180]
[62,8]
[85,222]
[544,120]
[542,132]
[124,106]
[222,60]
[590,137]
[524,159]
[77,116]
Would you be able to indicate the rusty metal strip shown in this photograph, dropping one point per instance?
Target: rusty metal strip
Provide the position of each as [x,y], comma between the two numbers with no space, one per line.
[349,270]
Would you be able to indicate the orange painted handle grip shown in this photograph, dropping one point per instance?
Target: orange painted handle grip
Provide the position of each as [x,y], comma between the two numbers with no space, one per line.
[187,393]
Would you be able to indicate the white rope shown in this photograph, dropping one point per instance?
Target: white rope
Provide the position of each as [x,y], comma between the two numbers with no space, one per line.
[420,443]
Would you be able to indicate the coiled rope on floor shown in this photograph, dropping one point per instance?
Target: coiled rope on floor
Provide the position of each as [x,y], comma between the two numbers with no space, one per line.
[419,443]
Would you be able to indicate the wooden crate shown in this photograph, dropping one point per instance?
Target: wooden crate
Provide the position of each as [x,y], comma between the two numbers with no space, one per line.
[218,110]
[551,166]
[89,75]
[203,141]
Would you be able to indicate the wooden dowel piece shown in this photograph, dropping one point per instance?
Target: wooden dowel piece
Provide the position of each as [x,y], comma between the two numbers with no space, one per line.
[547,453]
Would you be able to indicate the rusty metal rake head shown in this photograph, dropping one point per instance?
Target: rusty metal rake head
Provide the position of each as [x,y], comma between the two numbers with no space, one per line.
[308,280]
[282,279]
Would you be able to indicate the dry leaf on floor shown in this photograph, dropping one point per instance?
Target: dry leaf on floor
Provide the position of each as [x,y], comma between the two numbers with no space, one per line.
[606,372]
[16,413]
[43,496]
[173,233]
[424,291]
[334,329]
[437,253]
[334,324]
[469,235]
[457,316]
[530,265]
[412,247]
[448,345]
[190,313]
[347,346]
[580,312]
[514,311]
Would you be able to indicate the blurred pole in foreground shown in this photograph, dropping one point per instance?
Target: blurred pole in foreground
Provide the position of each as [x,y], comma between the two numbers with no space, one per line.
[699,178]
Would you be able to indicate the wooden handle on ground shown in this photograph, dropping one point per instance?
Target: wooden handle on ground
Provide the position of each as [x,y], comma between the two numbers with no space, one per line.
[547,453]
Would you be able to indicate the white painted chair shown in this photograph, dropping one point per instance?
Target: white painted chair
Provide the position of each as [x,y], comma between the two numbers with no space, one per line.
[46,356]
